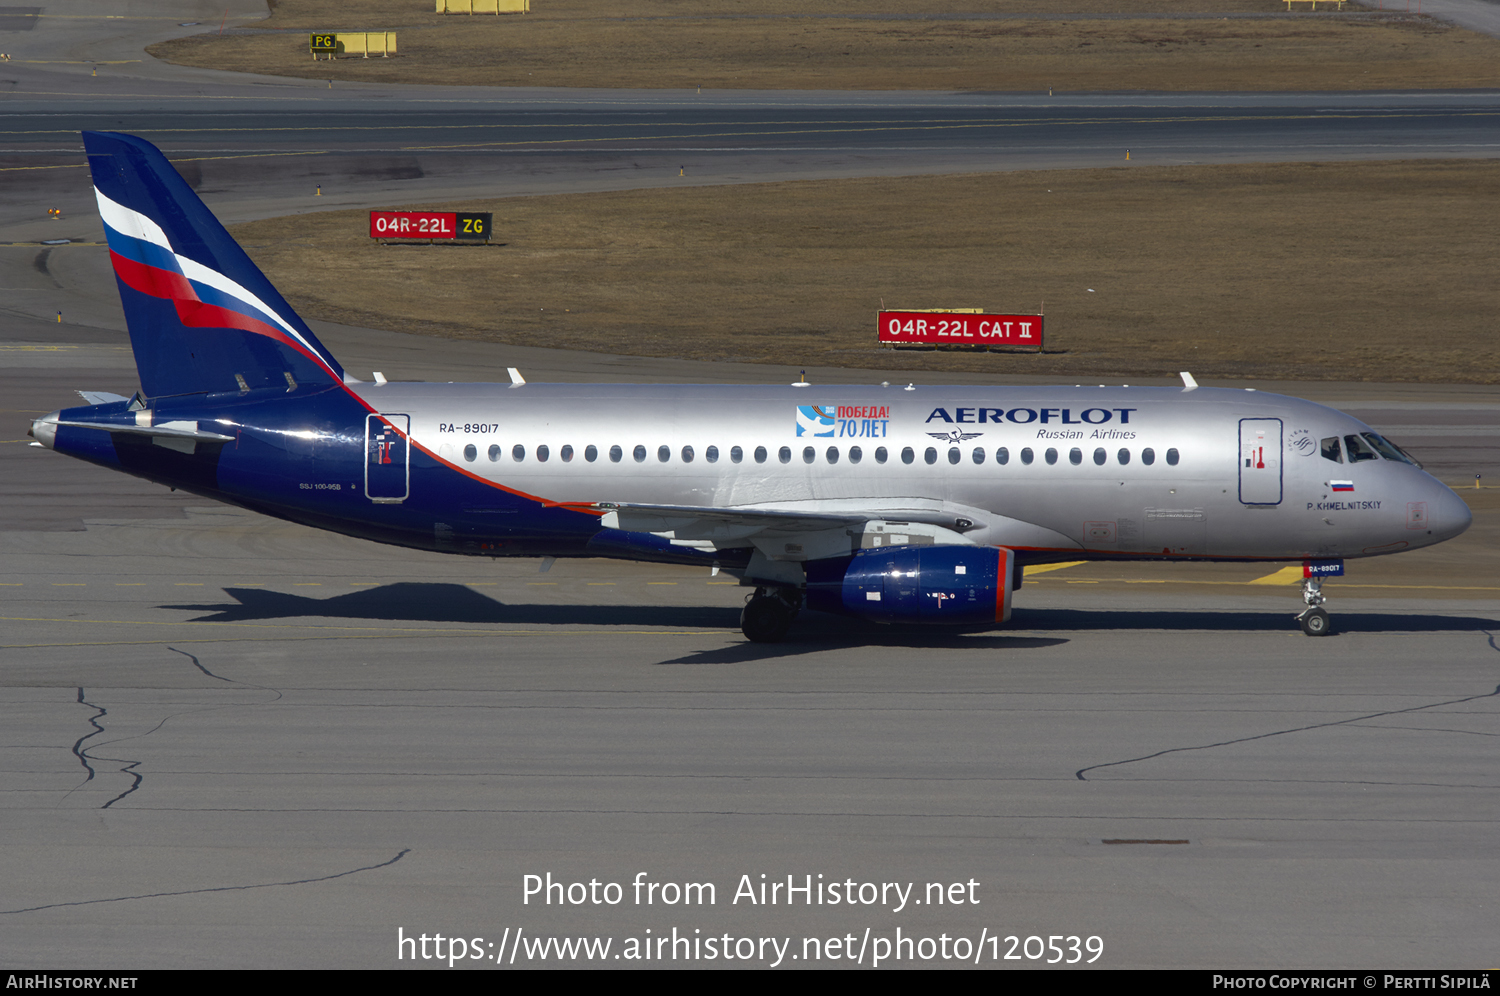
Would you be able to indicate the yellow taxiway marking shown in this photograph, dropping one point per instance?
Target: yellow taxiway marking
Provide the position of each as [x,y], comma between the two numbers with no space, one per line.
[541,584]
[130,584]
[1044,568]
[308,584]
[188,584]
[10,584]
[661,582]
[1287,575]
[69,584]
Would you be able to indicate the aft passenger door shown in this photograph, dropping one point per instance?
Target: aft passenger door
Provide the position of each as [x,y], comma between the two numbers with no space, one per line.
[387,457]
[1260,461]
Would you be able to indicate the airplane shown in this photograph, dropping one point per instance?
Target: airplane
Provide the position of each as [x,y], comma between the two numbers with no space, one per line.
[889,504]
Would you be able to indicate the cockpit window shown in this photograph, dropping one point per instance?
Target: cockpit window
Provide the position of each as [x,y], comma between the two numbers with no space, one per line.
[1331,451]
[1358,449]
[1386,448]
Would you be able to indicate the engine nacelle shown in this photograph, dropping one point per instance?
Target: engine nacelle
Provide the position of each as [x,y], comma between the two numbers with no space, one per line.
[943,585]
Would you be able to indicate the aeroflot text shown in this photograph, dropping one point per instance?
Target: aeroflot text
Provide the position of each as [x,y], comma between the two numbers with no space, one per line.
[1025,416]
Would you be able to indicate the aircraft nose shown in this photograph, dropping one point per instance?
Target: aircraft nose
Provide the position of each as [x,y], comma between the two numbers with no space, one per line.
[1450,513]
[44,429]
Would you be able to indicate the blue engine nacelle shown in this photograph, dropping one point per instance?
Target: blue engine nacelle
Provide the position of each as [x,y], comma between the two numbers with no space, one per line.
[944,585]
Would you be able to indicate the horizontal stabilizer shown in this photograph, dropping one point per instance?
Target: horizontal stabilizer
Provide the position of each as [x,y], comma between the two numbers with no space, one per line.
[175,430]
[101,397]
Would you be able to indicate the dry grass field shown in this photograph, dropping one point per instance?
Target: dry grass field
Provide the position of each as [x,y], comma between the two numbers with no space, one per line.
[1358,271]
[835,44]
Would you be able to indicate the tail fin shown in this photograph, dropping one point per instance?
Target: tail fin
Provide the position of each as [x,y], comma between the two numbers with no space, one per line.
[202,317]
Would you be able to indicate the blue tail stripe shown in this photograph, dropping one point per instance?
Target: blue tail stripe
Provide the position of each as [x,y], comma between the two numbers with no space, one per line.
[141,251]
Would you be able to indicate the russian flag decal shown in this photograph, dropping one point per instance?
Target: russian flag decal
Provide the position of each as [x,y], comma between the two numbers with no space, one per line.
[1341,485]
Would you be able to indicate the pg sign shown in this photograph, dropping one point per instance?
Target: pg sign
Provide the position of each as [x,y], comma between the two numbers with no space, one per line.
[928,329]
[441,225]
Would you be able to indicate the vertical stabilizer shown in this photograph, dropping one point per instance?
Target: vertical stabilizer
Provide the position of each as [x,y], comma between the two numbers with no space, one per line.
[202,317]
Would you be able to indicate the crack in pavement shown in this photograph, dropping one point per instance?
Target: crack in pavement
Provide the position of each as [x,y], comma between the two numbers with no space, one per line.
[78,752]
[218,888]
[128,766]
[1079,774]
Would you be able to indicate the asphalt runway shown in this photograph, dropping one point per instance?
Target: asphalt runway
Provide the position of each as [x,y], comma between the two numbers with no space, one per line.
[234,742]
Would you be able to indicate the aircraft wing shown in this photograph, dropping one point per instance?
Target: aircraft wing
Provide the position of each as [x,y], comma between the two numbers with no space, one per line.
[687,522]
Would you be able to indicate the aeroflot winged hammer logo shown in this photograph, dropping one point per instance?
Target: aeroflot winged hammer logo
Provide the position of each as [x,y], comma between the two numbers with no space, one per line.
[816,420]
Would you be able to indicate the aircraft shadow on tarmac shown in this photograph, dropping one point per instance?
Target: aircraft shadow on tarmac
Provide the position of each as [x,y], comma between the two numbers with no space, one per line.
[456,603]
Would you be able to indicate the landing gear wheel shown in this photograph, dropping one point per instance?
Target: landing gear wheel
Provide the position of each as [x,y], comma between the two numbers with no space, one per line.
[1315,622]
[766,617]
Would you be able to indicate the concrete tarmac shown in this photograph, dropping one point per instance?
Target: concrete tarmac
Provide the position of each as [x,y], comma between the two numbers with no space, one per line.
[233,742]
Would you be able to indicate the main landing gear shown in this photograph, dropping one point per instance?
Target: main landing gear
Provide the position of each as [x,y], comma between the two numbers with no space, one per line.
[1314,618]
[769,613]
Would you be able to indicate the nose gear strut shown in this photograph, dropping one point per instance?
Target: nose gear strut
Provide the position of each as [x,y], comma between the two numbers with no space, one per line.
[1314,618]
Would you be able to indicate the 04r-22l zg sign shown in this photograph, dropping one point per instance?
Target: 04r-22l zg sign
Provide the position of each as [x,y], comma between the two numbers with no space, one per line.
[444,225]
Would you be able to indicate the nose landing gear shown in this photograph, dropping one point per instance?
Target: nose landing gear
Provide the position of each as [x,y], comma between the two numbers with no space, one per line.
[768,614]
[1314,618]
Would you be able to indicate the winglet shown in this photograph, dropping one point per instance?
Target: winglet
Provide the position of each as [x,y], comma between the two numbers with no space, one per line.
[516,380]
[1188,382]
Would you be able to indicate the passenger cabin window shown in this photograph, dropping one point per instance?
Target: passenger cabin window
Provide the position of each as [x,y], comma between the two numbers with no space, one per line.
[809,454]
[833,454]
[736,454]
[542,453]
[494,452]
[908,454]
[978,455]
[663,453]
[930,454]
[518,453]
[566,453]
[1027,456]
[1100,456]
[1330,449]
[687,454]
[1172,458]
[760,454]
[1123,456]
[1358,449]
[954,455]
[1148,456]
[471,452]
[880,454]
[712,454]
[1002,456]
[855,454]
[639,453]
[1075,456]
[1051,456]
[784,454]
[615,454]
